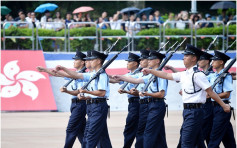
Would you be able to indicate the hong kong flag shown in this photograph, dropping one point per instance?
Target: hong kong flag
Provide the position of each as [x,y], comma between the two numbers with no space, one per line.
[23,88]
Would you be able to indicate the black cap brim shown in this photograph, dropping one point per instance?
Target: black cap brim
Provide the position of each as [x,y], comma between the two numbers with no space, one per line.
[87,58]
[129,60]
[152,58]
[188,53]
[76,58]
[141,58]
[93,57]
[216,58]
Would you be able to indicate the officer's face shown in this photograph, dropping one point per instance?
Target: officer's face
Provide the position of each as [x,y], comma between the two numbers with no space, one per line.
[78,63]
[144,63]
[153,63]
[88,64]
[217,63]
[189,60]
[203,63]
[131,65]
[95,63]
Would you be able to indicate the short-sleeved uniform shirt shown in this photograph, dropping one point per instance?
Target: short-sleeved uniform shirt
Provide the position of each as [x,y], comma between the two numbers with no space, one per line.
[156,86]
[190,79]
[100,83]
[224,86]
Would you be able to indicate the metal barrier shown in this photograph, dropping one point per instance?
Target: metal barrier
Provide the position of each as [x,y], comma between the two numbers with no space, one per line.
[82,37]
[102,37]
[219,36]
[18,37]
[50,37]
[227,32]
[185,22]
[145,36]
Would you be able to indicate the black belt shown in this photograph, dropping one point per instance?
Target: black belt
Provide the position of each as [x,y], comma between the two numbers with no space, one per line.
[143,101]
[155,99]
[77,100]
[96,100]
[192,105]
[133,99]
[214,103]
[208,100]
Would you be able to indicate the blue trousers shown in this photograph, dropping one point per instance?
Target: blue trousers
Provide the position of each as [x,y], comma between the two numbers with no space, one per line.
[96,133]
[222,129]
[143,113]
[154,134]
[76,124]
[207,121]
[131,123]
[191,130]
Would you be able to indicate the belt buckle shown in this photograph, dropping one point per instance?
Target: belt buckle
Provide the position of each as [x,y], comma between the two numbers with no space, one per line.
[149,100]
[88,101]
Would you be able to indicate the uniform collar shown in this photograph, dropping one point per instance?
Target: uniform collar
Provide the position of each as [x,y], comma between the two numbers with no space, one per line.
[190,70]
[219,72]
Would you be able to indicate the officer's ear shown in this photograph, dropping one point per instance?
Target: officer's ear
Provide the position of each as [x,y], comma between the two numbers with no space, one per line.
[194,58]
[158,61]
[222,62]
[83,62]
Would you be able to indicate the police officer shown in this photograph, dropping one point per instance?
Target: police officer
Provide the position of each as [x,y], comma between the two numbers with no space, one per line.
[195,86]
[155,128]
[133,106]
[204,64]
[99,92]
[77,120]
[151,123]
[222,129]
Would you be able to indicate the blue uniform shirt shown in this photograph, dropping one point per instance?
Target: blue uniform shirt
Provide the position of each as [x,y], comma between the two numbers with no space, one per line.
[100,83]
[129,86]
[141,85]
[223,86]
[156,86]
[77,84]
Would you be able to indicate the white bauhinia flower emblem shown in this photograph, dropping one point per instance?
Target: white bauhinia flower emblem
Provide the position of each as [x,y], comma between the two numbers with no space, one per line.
[11,84]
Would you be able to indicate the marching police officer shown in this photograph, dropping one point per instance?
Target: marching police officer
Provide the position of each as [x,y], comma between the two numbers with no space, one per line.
[151,127]
[222,129]
[155,128]
[99,92]
[204,64]
[195,86]
[133,106]
[77,120]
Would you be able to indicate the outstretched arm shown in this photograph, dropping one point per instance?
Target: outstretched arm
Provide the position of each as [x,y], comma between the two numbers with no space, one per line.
[72,74]
[112,80]
[128,79]
[160,74]
[168,67]
[47,70]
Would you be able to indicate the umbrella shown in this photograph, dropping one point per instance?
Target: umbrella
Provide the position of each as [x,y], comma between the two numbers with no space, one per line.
[82,9]
[147,11]
[129,10]
[223,5]
[5,10]
[46,7]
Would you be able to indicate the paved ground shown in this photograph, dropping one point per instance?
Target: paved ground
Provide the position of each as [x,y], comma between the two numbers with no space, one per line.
[47,129]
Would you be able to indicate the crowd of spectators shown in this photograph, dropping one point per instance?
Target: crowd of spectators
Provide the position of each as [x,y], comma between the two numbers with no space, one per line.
[130,22]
